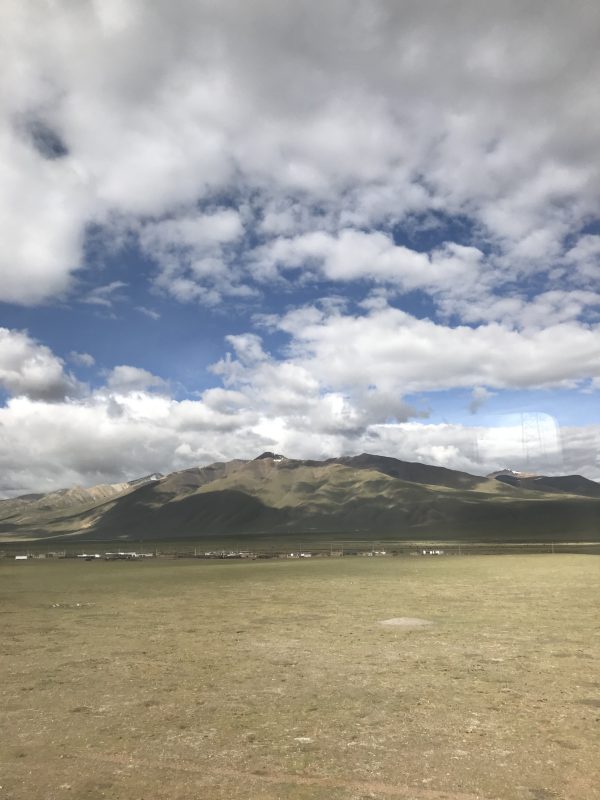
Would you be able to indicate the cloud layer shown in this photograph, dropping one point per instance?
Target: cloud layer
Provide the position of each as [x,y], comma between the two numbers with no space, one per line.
[306,133]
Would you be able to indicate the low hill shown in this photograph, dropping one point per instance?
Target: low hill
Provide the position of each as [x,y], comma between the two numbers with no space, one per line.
[557,484]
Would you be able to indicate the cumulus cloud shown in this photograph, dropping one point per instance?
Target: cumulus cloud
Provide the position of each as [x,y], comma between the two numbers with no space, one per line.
[82,359]
[517,310]
[394,350]
[585,257]
[479,397]
[355,254]
[288,389]
[125,378]
[510,442]
[42,215]
[30,369]
[194,254]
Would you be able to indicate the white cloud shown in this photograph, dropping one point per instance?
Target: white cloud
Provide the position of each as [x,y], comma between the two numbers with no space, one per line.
[148,312]
[292,391]
[30,369]
[479,397]
[194,253]
[354,254]
[105,295]
[43,209]
[125,378]
[484,449]
[395,351]
[82,359]
[517,310]
[585,257]
[370,117]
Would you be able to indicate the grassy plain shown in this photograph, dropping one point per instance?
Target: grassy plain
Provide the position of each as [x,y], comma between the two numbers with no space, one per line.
[210,680]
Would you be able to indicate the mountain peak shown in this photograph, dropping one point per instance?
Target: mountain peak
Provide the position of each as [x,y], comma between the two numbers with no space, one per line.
[512,473]
[272,456]
[155,476]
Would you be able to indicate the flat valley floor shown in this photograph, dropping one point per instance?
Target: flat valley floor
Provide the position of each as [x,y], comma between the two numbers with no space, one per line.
[221,681]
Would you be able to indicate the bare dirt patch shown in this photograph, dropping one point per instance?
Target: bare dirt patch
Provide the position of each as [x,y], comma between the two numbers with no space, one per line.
[406,622]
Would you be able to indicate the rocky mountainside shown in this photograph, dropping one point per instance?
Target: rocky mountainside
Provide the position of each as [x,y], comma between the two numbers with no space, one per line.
[358,496]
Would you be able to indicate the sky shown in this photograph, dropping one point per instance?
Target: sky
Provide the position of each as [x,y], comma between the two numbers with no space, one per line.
[313,228]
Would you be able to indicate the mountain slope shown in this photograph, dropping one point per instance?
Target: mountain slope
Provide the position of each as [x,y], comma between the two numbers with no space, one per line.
[561,484]
[412,471]
[60,510]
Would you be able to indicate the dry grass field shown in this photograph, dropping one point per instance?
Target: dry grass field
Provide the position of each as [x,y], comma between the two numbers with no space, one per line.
[222,681]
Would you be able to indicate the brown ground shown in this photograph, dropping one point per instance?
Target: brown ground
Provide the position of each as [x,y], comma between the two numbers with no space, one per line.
[276,680]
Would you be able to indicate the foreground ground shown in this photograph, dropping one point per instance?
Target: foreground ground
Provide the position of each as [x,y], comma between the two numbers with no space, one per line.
[190,679]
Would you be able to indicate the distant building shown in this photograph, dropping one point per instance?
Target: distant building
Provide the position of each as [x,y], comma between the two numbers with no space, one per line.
[122,556]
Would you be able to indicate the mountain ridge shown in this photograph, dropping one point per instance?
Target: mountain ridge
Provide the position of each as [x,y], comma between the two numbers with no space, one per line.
[366,495]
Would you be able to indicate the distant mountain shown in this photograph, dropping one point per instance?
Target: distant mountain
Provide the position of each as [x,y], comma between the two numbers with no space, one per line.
[60,511]
[511,473]
[63,498]
[155,476]
[361,496]
[559,484]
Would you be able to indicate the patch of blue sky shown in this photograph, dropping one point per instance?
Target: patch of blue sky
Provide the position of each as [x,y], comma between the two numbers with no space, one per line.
[531,284]
[592,227]
[178,345]
[428,231]
[568,407]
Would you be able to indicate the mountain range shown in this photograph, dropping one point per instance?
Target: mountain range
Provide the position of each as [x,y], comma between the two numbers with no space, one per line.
[359,497]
